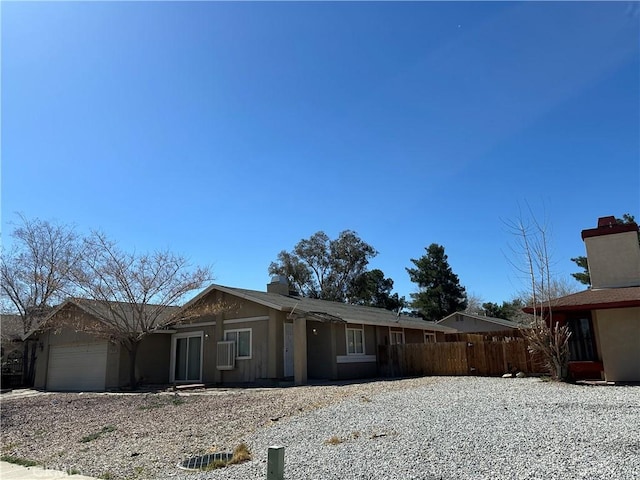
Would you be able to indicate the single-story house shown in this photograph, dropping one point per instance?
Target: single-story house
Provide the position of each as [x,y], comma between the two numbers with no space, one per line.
[231,335]
[70,359]
[605,320]
[278,335]
[471,323]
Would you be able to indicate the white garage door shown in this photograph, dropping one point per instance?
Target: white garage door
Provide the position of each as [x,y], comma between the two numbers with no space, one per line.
[77,367]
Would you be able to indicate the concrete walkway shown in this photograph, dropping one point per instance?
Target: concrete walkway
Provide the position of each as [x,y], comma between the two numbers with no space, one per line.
[10,471]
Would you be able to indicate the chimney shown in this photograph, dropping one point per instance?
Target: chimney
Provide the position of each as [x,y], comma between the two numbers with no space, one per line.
[279,284]
[613,254]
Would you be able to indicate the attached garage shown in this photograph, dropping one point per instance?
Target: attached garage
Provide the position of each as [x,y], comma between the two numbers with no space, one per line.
[80,367]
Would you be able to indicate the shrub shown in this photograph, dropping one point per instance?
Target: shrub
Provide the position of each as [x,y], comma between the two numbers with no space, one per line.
[95,435]
[240,454]
[335,440]
[19,461]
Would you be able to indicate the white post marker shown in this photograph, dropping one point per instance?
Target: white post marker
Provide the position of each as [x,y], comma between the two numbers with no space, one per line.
[275,463]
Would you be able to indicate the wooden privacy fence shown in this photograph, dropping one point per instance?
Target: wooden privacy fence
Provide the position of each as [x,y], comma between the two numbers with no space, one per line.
[488,354]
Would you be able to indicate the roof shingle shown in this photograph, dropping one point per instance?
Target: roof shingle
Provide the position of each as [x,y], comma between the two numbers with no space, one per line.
[596,299]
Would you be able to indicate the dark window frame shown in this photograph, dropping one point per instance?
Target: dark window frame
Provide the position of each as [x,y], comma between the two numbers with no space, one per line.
[582,342]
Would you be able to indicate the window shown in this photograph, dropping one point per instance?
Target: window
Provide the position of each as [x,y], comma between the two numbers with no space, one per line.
[429,337]
[397,338]
[582,341]
[242,337]
[355,341]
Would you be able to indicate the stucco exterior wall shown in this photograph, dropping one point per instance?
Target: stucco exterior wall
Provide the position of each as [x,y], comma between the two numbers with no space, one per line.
[276,333]
[619,340]
[320,361]
[348,366]
[152,362]
[614,260]
[249,370]
[267,339]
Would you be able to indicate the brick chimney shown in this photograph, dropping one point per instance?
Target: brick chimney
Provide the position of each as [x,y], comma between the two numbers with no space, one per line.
[613,254]
[279,284]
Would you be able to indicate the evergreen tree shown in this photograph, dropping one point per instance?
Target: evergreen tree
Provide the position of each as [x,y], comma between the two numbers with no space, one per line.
[508,310]
[440,292]
[582,277]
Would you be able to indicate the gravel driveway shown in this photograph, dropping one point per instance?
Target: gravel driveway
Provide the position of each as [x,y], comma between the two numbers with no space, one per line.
[427,428]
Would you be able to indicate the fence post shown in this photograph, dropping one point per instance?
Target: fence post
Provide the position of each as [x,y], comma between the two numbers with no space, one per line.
[275,463]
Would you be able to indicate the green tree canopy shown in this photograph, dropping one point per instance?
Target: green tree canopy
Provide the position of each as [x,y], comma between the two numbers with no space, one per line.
[581,261]
[319,267]
[440,292]
[373,290]
[508,310]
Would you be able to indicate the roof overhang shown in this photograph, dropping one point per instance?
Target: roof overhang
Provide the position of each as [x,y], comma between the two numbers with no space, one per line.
[585,306]
[316,317]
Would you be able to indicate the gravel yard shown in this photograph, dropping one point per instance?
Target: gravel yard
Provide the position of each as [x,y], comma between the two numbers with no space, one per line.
[426,428]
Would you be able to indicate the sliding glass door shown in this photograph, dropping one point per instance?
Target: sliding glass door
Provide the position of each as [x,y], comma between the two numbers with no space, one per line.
[187,358]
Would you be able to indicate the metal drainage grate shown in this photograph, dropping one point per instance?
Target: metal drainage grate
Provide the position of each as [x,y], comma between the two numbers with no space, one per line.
[202,461]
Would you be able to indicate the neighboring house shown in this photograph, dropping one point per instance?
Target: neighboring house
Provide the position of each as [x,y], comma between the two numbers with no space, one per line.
[73,360]
[254,337]
[470,323]
[12,350]
[605,320]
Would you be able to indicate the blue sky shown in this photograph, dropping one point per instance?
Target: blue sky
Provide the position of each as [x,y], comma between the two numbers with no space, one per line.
[230,131]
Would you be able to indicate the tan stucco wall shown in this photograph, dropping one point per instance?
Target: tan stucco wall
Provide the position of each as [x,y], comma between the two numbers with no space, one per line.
[267,343]
[614,260]
[358,369]
[370,338]
[152,362]
[619,336]
[320,361]
[249,370]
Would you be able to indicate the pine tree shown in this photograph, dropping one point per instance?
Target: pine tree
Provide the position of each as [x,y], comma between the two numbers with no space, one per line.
[440,292]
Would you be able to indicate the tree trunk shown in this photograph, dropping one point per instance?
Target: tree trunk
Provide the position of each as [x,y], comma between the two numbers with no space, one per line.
[132,348]
[28,362]
[32,364]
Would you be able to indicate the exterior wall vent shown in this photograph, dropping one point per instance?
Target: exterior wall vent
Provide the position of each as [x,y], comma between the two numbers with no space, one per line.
[226,358]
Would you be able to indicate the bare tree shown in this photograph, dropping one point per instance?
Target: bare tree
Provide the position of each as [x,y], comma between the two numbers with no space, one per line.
[34,275]
[532,258]
[474,304]
[556,288]
[131,295]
